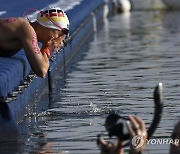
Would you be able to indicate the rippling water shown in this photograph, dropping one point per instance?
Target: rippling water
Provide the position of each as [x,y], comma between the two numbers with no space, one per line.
[125,61]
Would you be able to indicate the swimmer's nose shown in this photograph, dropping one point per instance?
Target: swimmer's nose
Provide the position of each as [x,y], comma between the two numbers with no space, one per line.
[56,45]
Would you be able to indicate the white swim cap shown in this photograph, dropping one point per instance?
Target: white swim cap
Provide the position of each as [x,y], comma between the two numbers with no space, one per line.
[51,17]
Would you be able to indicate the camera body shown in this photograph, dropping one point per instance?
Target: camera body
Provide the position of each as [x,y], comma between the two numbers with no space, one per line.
[116,126]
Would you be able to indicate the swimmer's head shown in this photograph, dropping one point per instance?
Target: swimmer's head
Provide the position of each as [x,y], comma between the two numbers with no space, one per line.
[52,17]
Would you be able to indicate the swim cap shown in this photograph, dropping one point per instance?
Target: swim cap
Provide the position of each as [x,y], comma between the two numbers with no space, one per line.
[51,17]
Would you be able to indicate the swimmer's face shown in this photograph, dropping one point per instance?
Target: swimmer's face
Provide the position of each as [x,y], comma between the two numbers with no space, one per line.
[56,34]
[55,37]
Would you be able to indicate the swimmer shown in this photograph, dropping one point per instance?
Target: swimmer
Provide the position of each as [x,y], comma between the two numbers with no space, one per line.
[49,26]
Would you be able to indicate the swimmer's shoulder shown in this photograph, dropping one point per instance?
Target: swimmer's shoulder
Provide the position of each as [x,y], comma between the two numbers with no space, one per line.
[16,22]
[25,28]
[24,24]
[23,21]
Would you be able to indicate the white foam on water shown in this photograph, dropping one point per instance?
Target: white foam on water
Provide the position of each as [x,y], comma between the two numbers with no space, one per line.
[95,109]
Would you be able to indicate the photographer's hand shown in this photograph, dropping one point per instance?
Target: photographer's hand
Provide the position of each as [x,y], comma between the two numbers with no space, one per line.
[108,147]
[138,133]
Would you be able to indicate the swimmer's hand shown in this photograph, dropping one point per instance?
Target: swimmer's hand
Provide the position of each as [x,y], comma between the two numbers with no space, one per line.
[46,51]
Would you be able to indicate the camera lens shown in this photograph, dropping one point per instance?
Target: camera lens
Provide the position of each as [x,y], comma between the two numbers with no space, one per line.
[116,126]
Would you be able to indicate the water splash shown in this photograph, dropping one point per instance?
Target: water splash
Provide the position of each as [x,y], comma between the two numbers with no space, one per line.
[95,109]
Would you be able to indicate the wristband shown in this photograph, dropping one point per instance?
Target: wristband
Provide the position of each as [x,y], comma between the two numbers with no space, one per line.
[47,51]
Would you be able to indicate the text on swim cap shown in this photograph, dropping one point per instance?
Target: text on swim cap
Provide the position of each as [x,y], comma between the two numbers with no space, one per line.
[51,13]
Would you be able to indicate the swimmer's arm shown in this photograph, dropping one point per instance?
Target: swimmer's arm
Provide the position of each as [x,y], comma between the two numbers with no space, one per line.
[38,60]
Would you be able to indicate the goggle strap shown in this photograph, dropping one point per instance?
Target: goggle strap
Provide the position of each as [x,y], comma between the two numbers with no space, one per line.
[55,23]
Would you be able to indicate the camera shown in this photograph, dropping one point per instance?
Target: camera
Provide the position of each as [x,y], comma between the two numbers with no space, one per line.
[116,126]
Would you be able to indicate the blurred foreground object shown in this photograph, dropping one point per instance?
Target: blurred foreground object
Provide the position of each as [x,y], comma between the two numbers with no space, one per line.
[172,4]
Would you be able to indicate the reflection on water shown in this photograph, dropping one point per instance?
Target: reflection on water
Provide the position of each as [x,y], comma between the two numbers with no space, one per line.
[127,58]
